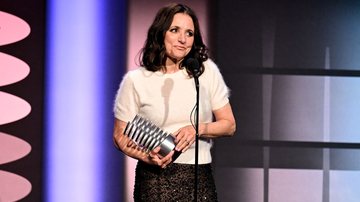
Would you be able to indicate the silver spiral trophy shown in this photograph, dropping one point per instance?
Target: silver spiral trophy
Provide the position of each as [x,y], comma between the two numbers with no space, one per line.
[148,136]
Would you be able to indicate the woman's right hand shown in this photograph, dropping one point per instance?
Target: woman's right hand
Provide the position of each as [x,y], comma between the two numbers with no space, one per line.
[156,159]
[128,147]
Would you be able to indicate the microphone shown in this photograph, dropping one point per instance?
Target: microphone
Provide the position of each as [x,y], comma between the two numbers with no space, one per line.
[193,66]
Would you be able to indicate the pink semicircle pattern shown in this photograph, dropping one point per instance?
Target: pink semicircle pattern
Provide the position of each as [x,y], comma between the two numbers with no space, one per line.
[13,187]
[12,148]
[12,108]
[12,28]
[12,69]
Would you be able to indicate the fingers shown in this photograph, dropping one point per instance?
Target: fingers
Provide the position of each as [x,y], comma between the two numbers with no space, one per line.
[156,150]
[157,159]
[183,145]
[122,141]
[167,159]
[131,144]
[185,137]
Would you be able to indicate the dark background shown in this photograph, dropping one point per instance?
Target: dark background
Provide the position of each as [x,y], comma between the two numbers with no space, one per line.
[273,55]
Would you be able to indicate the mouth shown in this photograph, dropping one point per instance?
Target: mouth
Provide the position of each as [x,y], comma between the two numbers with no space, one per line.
[180,47]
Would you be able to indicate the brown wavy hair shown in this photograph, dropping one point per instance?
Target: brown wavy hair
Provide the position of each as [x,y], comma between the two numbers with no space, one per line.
[153,54]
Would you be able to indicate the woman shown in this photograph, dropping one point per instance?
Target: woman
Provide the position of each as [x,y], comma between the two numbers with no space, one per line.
[163,91]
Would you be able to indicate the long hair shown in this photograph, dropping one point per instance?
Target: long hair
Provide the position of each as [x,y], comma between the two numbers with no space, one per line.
[153,54]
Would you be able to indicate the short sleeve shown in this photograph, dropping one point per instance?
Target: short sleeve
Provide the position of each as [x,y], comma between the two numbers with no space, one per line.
[218,89]
[126,101]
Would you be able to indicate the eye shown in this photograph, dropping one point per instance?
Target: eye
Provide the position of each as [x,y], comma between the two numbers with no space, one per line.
[173,30]
[190,33]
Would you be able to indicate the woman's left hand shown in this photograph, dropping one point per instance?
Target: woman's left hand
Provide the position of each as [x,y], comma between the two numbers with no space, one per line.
[184,138]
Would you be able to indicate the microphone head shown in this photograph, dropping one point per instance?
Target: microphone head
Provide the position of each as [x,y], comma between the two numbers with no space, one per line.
[193,65]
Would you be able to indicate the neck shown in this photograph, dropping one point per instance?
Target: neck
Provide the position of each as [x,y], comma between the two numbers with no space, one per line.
[172,65]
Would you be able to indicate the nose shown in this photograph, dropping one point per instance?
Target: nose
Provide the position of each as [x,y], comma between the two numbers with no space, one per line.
[182,38]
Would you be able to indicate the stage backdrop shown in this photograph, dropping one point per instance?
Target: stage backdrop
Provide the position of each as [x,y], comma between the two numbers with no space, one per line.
[21,99]
[293,68]
[60,66]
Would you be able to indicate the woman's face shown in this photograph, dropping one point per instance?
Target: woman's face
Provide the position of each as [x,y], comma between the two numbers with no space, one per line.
[180,37]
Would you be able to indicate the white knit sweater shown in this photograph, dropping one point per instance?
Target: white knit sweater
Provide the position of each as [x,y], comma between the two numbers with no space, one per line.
[168,99]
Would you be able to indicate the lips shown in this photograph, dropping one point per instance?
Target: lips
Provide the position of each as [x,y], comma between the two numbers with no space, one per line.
[180,47]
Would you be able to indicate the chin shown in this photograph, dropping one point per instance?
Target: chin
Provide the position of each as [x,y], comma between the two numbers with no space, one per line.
[180,57]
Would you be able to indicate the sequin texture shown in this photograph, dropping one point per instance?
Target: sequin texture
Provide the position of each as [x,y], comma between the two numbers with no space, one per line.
[174,183]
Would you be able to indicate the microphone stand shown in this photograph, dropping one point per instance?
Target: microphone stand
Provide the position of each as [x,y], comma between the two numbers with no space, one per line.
[196,78]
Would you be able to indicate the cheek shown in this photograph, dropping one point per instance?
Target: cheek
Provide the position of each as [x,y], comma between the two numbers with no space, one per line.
[190,43]
[167,48]
[190,46]
[167,44]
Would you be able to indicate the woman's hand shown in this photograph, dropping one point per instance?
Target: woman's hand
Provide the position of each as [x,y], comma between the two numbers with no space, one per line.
[128,147]
[184,138]
[156,159]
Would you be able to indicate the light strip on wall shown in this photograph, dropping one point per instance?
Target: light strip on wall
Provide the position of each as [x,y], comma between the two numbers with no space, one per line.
[73,82]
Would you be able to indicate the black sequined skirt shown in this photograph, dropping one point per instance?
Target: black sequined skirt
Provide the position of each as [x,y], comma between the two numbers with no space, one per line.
[174,183]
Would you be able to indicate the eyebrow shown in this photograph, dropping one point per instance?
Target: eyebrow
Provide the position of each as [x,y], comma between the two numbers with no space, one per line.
[175,26]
